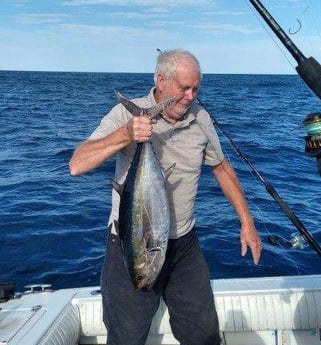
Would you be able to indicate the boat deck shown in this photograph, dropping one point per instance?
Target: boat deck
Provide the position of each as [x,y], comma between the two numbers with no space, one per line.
[256,311]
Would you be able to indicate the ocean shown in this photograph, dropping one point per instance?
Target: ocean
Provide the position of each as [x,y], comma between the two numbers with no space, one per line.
[53,225]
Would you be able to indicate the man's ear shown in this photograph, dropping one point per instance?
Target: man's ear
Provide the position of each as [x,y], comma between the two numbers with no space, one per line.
[160,82]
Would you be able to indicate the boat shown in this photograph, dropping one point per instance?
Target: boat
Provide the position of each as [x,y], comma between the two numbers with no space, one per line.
[251,311]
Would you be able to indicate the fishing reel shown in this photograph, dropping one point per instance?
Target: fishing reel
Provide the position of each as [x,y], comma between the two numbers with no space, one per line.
[312,125]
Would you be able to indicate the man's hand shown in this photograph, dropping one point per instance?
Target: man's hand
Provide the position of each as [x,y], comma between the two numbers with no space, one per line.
[250,237]
[140,128]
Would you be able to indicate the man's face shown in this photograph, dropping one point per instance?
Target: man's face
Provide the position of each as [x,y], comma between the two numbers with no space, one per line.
[184,86]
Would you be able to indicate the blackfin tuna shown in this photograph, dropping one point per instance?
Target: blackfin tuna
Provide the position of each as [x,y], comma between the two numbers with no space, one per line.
[144,214]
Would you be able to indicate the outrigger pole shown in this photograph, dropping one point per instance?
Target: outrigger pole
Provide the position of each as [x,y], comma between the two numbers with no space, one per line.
[308,68]
[270,189]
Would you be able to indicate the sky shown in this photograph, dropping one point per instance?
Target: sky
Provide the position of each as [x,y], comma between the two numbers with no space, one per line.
[227,36]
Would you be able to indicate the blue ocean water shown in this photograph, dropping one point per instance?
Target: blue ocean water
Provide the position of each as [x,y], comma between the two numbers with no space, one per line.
[53,225]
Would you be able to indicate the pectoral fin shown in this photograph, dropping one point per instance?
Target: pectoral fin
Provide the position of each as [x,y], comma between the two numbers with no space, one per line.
[116,227]
[169,171]
[118,187]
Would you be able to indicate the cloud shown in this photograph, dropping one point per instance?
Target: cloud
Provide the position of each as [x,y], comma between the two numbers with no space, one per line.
[41,18]
[122,35]
[218,28]
[112,32]
[134,3]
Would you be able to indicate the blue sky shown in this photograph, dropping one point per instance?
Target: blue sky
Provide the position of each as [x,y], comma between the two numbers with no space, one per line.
[227,36]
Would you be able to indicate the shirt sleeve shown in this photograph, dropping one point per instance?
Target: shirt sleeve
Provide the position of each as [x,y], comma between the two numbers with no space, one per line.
[115,119]
[213,154]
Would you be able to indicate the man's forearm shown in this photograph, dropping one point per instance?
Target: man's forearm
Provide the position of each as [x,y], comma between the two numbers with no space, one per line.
[232,190]
[92,153]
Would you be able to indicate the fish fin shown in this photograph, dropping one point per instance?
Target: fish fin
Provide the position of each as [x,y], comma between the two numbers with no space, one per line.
[159,107]
[116,227]
[118,187]
[134,109]
[168,172]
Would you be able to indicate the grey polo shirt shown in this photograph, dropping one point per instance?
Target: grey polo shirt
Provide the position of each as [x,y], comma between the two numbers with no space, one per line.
[187,143]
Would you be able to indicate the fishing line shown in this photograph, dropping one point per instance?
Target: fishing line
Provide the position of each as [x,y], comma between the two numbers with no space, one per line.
[315,23]
[260,214]
[302,10]
[314,20]
[309,69]
[269,188]
[304,23]
[275,239]
[270,34]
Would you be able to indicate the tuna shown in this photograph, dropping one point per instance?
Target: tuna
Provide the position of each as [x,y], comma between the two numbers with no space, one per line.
[144,213]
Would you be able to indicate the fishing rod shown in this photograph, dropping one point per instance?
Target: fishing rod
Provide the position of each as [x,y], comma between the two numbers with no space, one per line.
[270,189]
[310,71]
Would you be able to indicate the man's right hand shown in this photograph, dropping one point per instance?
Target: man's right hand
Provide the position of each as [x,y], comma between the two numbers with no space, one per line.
[140,128]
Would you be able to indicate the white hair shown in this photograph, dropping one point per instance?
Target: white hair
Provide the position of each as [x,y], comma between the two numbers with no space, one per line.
[167,62]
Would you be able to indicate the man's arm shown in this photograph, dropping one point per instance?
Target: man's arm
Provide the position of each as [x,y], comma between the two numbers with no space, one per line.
[228,181]
[92,153]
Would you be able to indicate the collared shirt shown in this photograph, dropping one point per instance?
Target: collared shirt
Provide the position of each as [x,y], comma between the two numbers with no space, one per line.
[187,144]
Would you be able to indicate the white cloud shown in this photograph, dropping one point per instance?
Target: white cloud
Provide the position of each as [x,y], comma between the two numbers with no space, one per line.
[105,38]
[218,28]
[111,33]
[135,3]
[41,18]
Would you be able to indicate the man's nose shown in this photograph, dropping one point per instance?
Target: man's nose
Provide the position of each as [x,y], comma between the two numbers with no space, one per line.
[190,94]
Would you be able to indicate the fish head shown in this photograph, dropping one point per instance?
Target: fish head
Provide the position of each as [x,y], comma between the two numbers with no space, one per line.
[148,268]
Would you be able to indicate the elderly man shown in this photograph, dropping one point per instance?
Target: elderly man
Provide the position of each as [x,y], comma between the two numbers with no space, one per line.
[184,135]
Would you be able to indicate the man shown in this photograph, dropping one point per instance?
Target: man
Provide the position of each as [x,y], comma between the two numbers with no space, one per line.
[183,135]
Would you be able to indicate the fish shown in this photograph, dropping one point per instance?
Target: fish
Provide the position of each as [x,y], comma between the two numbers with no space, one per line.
[144,213]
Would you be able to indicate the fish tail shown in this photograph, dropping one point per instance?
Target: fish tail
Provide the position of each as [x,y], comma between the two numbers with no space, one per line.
[152,112]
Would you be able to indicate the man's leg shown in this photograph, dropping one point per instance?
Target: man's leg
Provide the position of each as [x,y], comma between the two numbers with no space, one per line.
[189,296]
[127,312]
